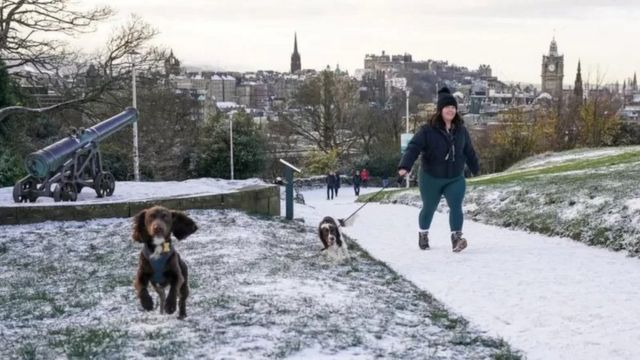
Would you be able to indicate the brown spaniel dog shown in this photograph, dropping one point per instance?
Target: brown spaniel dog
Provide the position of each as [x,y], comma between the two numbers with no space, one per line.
[160,263]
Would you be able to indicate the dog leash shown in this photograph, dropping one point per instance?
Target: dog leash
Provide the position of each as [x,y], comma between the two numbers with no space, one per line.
[343,222]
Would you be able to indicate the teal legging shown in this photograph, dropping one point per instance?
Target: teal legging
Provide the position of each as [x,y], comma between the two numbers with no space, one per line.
[431,191]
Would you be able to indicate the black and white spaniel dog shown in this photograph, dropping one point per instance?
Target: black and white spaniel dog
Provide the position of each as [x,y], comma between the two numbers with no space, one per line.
[331,238]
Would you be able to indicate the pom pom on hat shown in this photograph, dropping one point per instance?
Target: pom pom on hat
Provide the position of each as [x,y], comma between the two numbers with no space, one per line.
[445,98]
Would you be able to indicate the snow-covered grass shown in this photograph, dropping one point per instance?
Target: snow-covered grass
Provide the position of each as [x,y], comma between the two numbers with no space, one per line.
[259,289]
[589,196]
[565,164]
[550,158]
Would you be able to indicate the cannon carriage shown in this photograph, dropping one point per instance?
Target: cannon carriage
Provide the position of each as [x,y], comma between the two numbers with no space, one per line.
[62,169]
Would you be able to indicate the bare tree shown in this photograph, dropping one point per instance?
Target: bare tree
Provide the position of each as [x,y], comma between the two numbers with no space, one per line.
[22,22]
[597,120]
[519,134]
[83,79]
[327,107]
[367,126]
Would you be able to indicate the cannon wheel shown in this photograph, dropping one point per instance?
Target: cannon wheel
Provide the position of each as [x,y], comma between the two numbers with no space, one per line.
[69,192]
[104,184]
[65,192]
[57,193]
[22,191]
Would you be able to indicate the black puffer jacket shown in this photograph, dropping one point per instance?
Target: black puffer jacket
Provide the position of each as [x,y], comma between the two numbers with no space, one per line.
[443,154]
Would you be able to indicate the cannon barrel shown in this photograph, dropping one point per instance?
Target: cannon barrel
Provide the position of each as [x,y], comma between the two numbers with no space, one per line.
[45,161]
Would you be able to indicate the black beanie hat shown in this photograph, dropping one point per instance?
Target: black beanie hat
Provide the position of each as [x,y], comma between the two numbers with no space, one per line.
[445,98]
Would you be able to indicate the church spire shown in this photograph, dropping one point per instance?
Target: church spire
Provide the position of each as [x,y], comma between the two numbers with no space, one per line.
[295,57]
[553,47]
[577,88]
[171,65]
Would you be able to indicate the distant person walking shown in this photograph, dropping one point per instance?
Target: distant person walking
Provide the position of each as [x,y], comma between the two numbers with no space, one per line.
[331,185]
[364,176]
[446,147]
[337,183]
[356,183]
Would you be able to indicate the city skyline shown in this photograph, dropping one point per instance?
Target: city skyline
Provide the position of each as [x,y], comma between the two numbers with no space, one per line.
[510,36]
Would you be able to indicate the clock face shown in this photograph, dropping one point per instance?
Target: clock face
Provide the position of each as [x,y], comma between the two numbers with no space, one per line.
[551,67]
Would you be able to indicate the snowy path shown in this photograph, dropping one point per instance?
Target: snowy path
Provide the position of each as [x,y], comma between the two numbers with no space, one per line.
[553,298]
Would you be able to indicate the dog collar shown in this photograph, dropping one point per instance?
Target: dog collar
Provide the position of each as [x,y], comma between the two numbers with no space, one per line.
[167,249]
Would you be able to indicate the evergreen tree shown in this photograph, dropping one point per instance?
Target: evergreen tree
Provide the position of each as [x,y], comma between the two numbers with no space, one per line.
[249,148]
[7,89]
[10,164]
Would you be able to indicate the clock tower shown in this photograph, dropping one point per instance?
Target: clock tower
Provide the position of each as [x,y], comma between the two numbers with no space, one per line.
[553,71]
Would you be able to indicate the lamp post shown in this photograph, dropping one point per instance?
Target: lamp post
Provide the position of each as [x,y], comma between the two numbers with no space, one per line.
[136,155]
[231,144]
[408,91]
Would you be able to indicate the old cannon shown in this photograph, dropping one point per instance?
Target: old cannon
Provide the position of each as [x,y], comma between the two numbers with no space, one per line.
[62,169]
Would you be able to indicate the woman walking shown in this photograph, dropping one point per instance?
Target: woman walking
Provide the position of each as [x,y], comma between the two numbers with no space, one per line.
[446,147]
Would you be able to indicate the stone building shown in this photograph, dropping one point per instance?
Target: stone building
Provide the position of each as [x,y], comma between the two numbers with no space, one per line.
[552,71]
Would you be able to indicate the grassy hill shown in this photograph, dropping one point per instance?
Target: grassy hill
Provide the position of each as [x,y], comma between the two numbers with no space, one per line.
[589,195]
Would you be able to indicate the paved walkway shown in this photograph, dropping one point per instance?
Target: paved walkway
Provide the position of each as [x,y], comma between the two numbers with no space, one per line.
[553,298]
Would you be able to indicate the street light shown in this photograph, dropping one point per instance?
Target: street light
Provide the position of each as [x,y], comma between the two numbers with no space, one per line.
[407,91]
[136,155]
[231,144]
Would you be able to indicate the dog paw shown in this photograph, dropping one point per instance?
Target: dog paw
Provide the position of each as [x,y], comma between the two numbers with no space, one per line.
[146,302]
[170,306]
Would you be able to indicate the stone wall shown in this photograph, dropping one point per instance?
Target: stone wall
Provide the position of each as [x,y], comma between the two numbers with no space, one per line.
[256,199]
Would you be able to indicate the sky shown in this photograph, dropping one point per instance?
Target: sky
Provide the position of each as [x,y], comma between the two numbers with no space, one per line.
[509,35]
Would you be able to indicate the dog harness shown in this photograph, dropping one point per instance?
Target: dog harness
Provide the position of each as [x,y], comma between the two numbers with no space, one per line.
[159,262]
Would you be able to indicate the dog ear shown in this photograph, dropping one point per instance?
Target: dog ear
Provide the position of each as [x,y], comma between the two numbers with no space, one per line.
[324,241]
[338,236]
[139,229]
[183,226]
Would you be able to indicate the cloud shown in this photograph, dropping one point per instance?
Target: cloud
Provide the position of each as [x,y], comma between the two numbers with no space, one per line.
[544,9]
